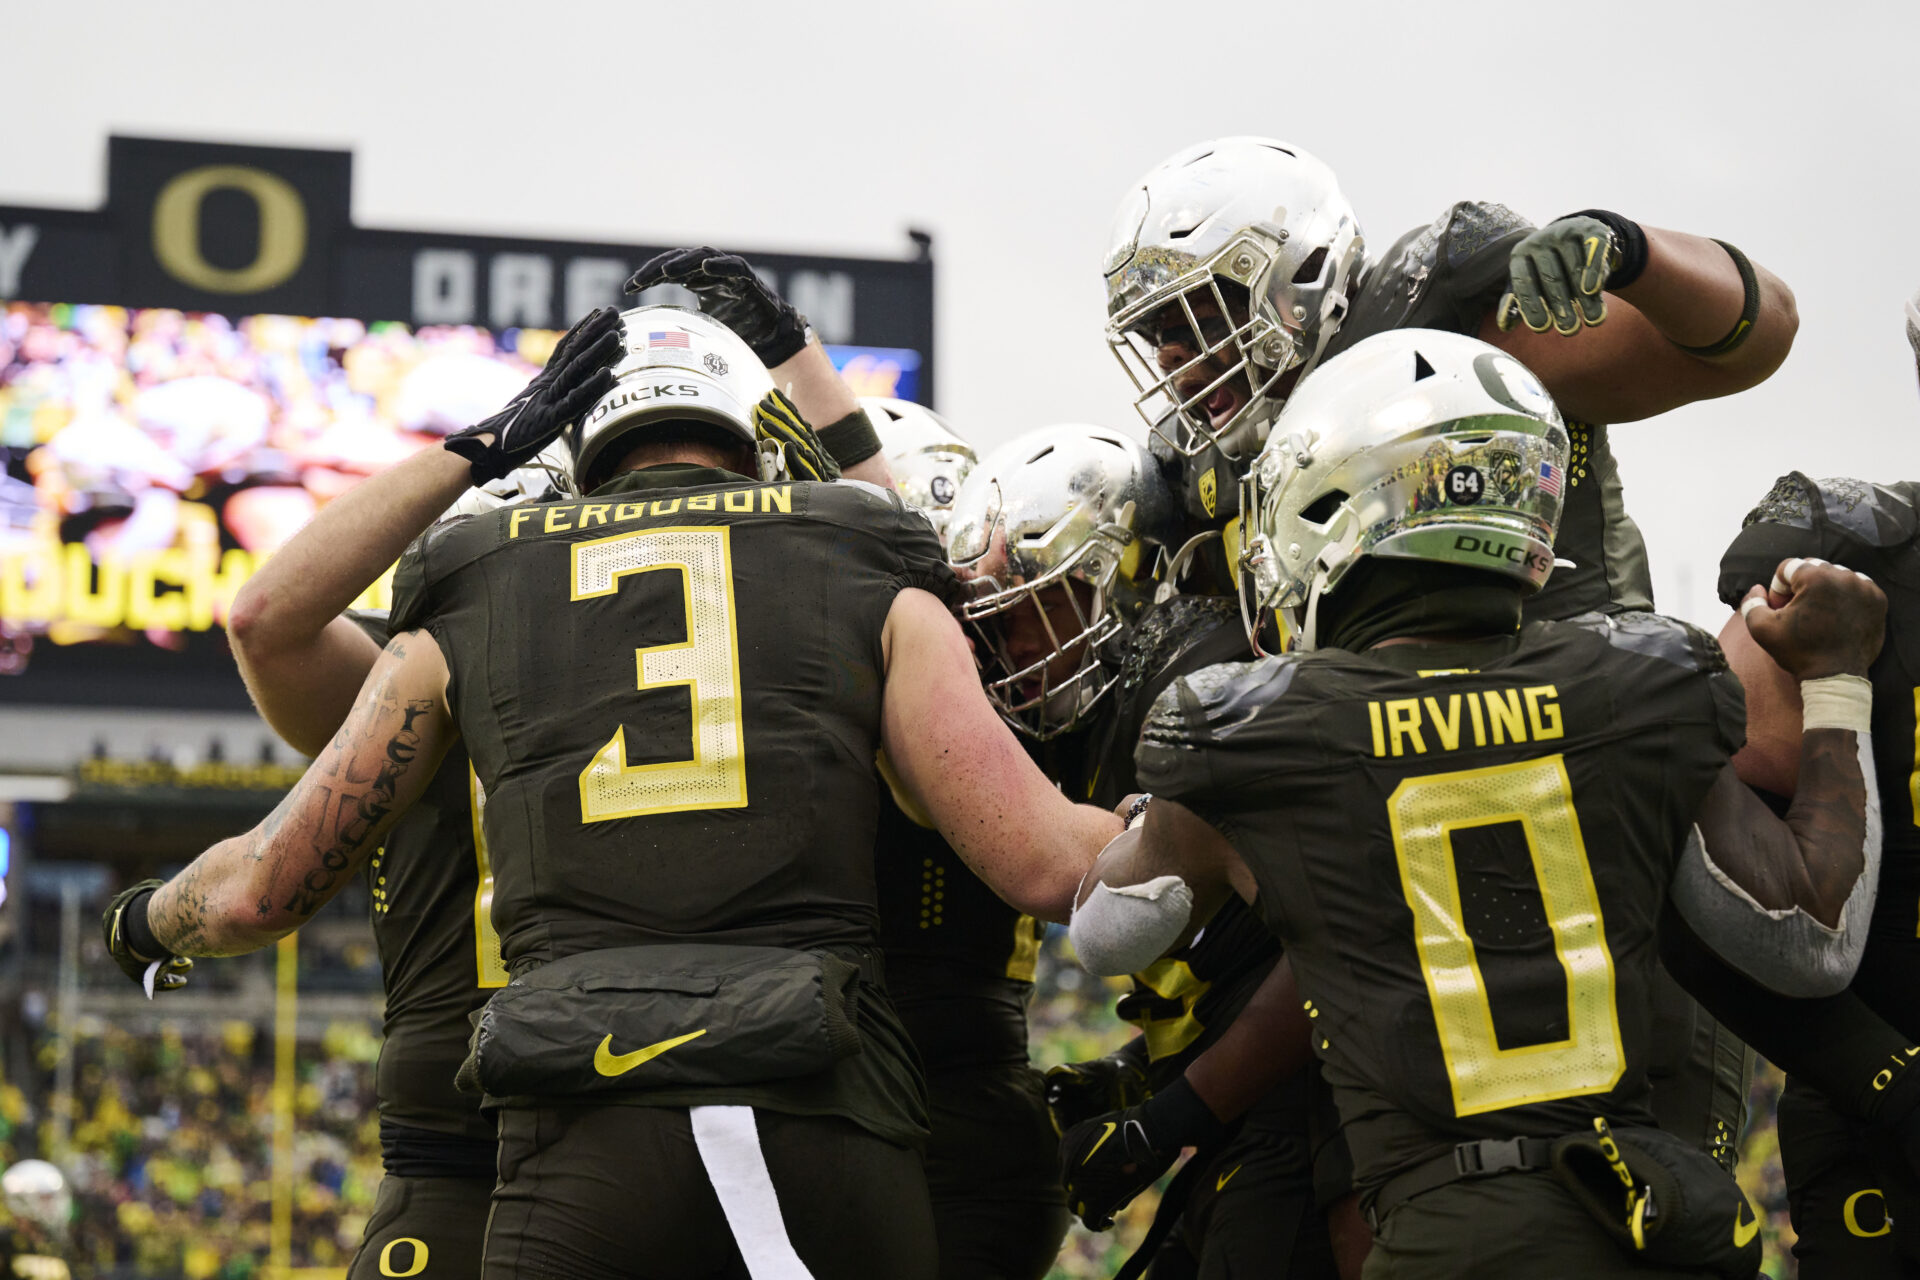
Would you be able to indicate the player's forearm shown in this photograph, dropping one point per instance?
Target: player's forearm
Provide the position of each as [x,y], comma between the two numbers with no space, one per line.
[814,385]
[824,399]
[1267,1044]
[1835,822]
[285,606]
[206,911]
[1789,902]
[1693,293]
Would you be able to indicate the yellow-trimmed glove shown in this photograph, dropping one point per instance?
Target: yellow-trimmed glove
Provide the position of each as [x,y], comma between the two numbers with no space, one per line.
[1078,1091]
[1556,275]
[785,436]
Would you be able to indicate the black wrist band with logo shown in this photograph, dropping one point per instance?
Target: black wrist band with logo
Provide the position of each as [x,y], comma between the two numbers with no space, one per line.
[1749,310]
[1628,238]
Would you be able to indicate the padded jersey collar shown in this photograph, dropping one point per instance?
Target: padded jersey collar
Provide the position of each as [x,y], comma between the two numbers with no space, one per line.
[668,475]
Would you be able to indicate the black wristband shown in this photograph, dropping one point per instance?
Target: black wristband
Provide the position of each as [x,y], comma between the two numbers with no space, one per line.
[1176,1117]
[1628,238]
[138,931]
[852,440]
[1749,309]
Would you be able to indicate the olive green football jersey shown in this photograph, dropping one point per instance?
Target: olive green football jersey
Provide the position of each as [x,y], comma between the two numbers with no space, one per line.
[1180,1003]
[960,962]
[439,959]
[671,693]
[1465,850]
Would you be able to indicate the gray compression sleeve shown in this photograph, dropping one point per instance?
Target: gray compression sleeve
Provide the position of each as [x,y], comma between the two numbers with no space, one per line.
[1788,951]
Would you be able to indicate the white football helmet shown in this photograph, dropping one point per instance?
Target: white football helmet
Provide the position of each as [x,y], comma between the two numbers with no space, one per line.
[36,1192]
[928,459]
[1259,233]
[679,366]
[1056,506]
[1413,444]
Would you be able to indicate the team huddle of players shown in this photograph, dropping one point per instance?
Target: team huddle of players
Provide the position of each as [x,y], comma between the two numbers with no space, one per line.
[717,776]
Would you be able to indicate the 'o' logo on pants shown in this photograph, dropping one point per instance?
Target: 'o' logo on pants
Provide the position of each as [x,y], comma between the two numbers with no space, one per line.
[419,1257]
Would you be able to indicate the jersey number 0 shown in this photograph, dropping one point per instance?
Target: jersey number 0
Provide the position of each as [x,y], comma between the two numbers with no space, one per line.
[1425,811]
[707,663]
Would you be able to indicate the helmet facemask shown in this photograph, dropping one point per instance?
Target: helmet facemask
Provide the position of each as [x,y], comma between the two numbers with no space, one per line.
[1061,532]
[1251,230]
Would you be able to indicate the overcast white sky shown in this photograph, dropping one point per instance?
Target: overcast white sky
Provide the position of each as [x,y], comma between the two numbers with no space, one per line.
[1010,130]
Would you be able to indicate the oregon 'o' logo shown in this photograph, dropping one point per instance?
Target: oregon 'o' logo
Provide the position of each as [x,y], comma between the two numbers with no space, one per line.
[419,1257]
[283,231]
[1849,1214]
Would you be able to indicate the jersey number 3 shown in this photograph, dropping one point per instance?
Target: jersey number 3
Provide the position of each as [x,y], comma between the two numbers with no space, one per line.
[1536,794]
[707,663]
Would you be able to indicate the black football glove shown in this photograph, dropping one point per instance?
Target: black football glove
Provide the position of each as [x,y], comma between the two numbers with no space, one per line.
[125,919]
[1106,1161]
[1077,1091]
[730,293]
[1556,276]
[783,433]
[579,372]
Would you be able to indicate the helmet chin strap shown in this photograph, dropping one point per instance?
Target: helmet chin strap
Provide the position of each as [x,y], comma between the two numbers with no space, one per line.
[1332,560]
[1309,636]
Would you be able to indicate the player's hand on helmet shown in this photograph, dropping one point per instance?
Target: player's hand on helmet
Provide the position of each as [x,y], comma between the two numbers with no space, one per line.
[1556,276]
[1108,1160]
[731,293]
[577,374]
[1079,1091]
[117,924]
[1817,619]
[784,434]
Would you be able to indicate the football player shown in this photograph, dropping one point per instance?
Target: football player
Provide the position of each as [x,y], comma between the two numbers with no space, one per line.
[960,961]
[304,659]
[960,967]
[1080,626]
[1463,829]
[1849,1183]
[697,1068]
[1217,313]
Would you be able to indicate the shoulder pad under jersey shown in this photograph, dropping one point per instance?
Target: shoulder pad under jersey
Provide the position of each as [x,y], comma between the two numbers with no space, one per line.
[1852,522]
[1214,703]
[1693,659]
[1655,635]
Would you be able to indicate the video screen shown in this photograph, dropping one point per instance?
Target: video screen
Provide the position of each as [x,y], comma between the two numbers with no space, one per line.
[154,458]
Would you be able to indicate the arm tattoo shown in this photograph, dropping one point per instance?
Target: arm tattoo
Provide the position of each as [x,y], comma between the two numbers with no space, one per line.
[355,813]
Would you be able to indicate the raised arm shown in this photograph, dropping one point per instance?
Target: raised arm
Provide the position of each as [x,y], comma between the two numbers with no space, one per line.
[1681,317]
[246,892]
[961,763]
[1788,900]
[732,293]
[303,663]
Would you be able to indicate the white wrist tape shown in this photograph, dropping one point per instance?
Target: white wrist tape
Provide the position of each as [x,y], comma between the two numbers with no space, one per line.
[1837,702]
[1123,930]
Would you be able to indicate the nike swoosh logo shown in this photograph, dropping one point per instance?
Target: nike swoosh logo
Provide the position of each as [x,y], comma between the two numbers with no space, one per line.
[1744,1231]
[1220,1183]
[1103,1141]
[608,1063]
